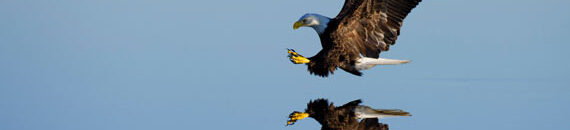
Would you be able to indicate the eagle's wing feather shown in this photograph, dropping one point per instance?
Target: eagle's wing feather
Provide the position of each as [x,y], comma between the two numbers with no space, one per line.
[370,26]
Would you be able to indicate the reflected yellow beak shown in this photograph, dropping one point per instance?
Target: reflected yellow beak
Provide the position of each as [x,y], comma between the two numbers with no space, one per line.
[297,25]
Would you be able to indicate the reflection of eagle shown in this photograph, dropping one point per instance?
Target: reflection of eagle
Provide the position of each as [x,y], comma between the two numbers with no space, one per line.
[354,39]
[345,117]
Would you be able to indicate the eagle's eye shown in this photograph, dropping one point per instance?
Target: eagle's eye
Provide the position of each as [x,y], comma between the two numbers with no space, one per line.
[305,21]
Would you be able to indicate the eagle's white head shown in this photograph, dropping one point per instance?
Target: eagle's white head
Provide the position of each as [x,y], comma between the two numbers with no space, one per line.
[315,21]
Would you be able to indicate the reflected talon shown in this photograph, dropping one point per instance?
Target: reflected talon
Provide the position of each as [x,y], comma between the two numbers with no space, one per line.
[293,117]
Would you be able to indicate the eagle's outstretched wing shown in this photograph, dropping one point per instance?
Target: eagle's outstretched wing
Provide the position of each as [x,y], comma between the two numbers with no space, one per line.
[371,26]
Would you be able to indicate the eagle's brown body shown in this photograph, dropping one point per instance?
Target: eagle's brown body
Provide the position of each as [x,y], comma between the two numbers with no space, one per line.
[362,28]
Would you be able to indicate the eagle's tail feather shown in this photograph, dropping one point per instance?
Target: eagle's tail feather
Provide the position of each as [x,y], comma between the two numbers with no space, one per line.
[384,61]
[367,62]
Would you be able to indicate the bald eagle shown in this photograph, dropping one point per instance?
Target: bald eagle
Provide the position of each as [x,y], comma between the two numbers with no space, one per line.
[345,117]
[354,39]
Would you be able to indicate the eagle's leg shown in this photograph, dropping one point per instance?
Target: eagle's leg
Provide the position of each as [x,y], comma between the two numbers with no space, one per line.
[296,58]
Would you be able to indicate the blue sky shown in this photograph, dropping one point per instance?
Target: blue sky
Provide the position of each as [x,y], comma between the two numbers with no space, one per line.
[176,64]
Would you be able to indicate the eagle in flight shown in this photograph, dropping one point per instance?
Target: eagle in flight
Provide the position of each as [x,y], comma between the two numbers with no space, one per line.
[354,39]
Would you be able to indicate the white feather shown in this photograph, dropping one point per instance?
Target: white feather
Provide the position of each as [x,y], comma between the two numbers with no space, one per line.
[367,62]
[316,21]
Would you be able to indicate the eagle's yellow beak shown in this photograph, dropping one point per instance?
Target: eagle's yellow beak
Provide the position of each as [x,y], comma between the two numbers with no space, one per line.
[297,25]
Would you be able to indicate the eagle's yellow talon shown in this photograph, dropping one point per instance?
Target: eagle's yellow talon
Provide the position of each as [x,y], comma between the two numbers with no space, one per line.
[296,58]
[292,52]
[299,60]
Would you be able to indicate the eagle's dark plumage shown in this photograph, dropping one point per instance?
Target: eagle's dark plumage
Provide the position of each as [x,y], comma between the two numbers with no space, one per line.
[362,28]
[340,118]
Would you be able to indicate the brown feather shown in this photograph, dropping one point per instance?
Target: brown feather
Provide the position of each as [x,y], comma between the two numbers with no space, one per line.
[363,27]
